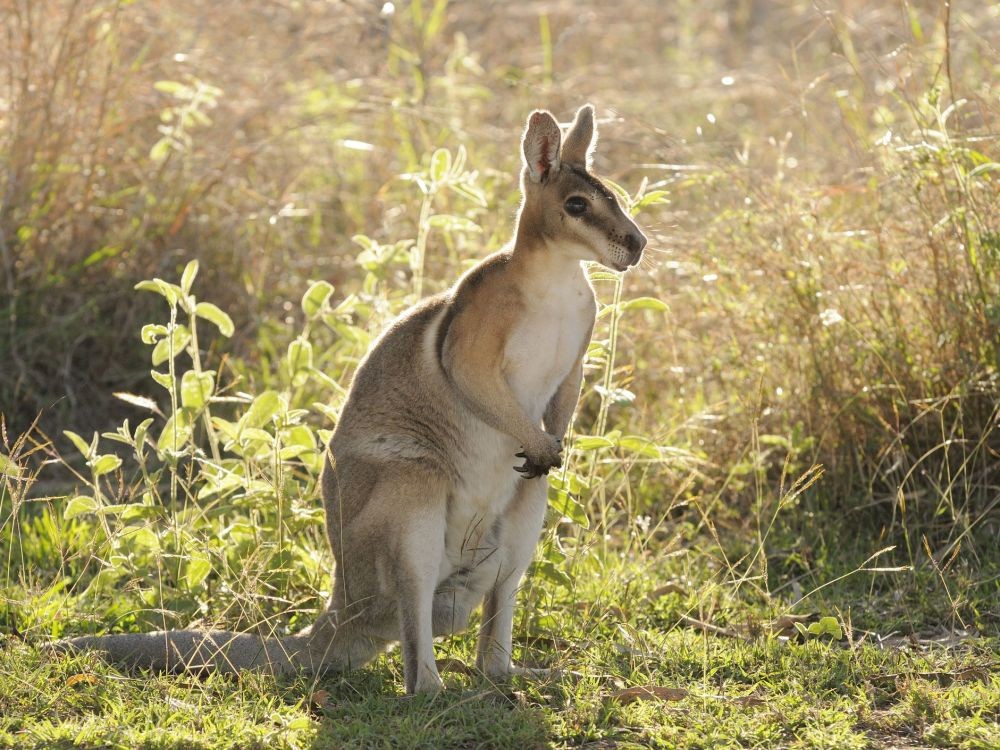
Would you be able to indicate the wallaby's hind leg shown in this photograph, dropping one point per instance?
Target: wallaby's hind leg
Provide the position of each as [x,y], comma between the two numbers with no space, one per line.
[420,550]
[390,564]
[522,525]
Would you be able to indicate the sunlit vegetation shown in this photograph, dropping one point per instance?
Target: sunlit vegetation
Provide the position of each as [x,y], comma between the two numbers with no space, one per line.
[779,523]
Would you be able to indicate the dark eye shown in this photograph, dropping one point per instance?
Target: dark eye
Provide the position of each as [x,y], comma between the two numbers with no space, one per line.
[575,206]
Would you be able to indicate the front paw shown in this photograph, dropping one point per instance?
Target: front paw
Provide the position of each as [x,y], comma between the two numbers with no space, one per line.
[545,455]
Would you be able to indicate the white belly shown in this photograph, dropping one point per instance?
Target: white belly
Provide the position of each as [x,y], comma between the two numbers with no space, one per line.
[485,488]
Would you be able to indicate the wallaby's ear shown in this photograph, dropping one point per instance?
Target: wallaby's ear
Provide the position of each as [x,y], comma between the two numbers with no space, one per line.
[541,146]
[581,139]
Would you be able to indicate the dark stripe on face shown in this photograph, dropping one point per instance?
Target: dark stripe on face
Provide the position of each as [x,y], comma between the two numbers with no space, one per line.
[595,183]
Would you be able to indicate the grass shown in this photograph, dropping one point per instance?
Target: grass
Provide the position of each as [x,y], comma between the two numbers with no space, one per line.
[790,409]
[742,686]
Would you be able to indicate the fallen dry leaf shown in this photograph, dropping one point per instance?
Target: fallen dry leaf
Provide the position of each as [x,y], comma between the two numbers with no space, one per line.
[78,678]
[668,588]
[748,700]
[708,627]
[319,700]
[457,666]
[648,693]
[614,609]
[785,625]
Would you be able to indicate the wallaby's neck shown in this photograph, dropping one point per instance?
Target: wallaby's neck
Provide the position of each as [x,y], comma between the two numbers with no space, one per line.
[543,257]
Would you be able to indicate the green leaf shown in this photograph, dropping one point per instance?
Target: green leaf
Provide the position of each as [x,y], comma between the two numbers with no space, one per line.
[250,434]
[451,223]
[176,433]
[300,723]
[213,314]
[440,164]
[827,626]
[652,198]
[173,88]
[133,511]
[617,396]
[468,191]
[80,443]
[108,251]
[300,355]
[623,194]
[263,408]
[645,303]
[292,451]
[151,332]
[196,570]
[160,150]
[551,573]
[228,429]
[553,554]
[603,276]
[123,435]
[984,168]
[171,292]
[187,278]
[196,389]
[140,434]
[141,538]
[79,505]
[105,464]
[300,435]
[317,296]
[9,468]
[564,503]
[171,346]
[640,445]
[163,378]
[592,442]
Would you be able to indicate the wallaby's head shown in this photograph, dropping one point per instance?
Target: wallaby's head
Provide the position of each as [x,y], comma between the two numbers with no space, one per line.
[567,206]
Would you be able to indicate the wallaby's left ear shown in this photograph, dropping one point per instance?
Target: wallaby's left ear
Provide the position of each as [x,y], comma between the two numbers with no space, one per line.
[541,146]
[582,138]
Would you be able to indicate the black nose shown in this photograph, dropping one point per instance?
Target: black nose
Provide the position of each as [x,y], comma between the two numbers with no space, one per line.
[636,242]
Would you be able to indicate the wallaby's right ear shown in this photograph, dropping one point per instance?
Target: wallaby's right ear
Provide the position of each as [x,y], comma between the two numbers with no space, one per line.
[581,139]
[541,146]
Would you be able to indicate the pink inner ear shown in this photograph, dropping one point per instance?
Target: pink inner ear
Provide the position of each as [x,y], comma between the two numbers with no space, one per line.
[543,163]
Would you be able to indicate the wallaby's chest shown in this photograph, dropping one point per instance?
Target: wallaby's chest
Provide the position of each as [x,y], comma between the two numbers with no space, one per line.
[545,345]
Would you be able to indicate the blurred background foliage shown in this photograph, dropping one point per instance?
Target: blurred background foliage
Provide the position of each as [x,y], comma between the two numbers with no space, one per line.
[823,230]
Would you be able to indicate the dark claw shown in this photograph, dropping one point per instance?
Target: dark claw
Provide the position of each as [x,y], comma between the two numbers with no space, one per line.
[529,469]
[522,454]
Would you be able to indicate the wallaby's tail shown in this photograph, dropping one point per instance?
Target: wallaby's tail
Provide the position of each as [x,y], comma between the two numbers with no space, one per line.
[318,649]
[197,650]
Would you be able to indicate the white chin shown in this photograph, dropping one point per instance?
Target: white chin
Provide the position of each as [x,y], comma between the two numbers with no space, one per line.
[615,265]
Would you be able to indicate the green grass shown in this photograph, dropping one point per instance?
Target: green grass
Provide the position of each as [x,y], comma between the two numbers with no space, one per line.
[748,688]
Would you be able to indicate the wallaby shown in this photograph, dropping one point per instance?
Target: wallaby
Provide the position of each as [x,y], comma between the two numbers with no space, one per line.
[426,511]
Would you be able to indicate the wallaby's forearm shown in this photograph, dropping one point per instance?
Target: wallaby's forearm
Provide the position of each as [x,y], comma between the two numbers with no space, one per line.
[492,400]
[560,410]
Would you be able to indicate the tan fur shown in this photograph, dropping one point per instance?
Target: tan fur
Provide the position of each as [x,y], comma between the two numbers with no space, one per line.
[426,514]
